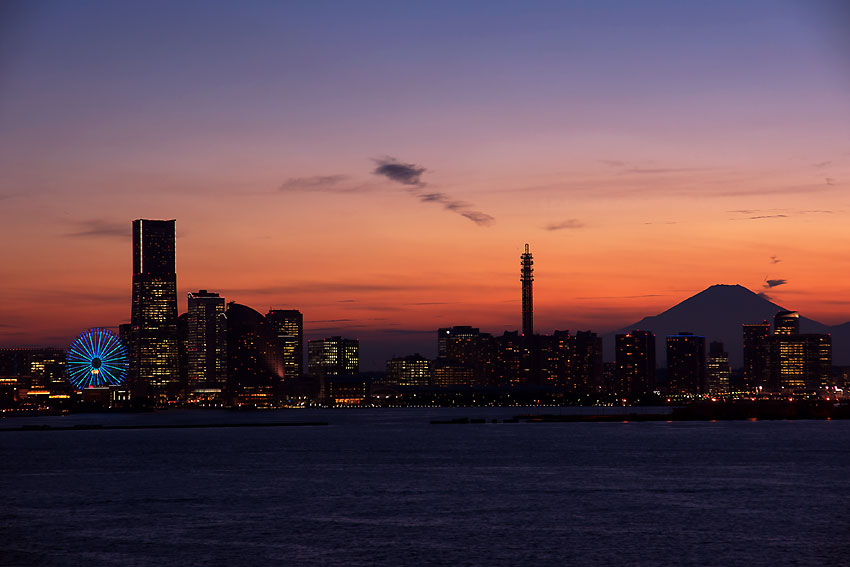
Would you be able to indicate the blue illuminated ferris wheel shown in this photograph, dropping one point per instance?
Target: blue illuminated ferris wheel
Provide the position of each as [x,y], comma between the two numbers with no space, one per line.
[96,358]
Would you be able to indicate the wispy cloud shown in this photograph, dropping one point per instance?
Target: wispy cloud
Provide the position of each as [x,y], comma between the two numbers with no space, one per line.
[621,296]
[822,164]
[317,183]
[569,223]
[753,214]
[410,174]
[320,287]
[99,228]
[768,284]
[830,181]
[774,260]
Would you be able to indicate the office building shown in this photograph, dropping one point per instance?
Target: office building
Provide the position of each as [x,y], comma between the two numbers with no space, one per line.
[635,363]
[333,356]
[801,362]
[254,362]
[467,347]
[412,370]
[206,343]
[686,364]
[717,369]
[289,326]
[153,318]
[786,323]
[756,356]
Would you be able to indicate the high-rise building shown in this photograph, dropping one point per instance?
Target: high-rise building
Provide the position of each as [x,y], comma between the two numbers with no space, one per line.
[717,369]
[801,362]
[206,342]
[756,355]
[153,318]
[467,347]
[686,364]
[586,367]
[333,356]
[786,323]
[635,363]
[289,326]
[510,360]
[254,364]
[412,370]
[527,277]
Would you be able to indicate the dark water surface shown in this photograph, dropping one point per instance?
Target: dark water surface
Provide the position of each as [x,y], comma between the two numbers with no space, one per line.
[384,487]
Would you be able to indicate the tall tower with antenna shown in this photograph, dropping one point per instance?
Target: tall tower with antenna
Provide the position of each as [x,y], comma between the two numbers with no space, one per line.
[526,261]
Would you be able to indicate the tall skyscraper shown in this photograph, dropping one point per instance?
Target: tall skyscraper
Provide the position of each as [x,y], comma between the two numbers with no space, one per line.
[635,362]
[153,318]
[254,364]
[413,370]
[333,356]
[756,355]
[466,347]
[527,277]
[801,363]
[717,368]
[289,326]
[786,323]
[206,344]
[686,364]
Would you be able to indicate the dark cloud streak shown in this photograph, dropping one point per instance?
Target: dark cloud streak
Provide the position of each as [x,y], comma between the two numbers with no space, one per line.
[569,223]
[405,173]
[315,183]
[410,174]
[100,228]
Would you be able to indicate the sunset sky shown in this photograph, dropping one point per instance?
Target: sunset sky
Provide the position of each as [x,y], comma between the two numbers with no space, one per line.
[380,165]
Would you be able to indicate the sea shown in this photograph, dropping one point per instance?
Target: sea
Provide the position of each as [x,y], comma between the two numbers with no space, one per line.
[387,487]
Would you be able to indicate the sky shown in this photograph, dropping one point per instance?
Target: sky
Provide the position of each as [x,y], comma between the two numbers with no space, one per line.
[381,165]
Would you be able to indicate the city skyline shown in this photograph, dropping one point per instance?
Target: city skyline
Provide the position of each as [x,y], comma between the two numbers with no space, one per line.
[386,193]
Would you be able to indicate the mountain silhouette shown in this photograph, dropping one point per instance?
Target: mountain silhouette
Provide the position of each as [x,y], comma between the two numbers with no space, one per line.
[717,313]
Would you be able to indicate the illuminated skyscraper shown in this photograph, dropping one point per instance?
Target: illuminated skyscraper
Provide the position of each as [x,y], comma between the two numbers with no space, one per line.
[635,366]
[717,369]
[289,326]
[465,347]
[334,356]
[254,362]
[756,355]
[413,370]
[527,261]
[153,318]
[206,344]
[801,363]
[686,364]
[786,323]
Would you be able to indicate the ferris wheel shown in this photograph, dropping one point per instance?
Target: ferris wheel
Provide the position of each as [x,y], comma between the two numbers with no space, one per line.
[96,358]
